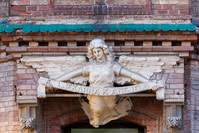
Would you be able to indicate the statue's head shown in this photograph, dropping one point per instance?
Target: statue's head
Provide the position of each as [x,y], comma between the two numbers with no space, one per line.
[96,46]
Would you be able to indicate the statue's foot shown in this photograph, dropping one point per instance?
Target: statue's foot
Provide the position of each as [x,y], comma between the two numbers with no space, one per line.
[91,122]
[96,126]
[94,123]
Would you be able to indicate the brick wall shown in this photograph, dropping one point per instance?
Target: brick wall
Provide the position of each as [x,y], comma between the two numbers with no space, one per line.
[79,7]
[26,84]
[104,7]
[9,120]
[98,10]
[191,113]
[174,88]
[195,8]
[4,8]
[170,7]
[59,112]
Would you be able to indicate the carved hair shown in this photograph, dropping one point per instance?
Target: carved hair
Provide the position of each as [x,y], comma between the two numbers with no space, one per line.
[99,43]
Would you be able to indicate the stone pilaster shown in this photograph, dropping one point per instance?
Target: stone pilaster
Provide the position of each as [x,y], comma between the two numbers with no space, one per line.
[28,121]
[173,119]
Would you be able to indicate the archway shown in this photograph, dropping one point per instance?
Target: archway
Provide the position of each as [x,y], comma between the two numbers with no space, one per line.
[59,113]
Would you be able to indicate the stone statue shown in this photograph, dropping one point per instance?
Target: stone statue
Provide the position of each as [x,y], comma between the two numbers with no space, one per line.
[97,78]
[102,70]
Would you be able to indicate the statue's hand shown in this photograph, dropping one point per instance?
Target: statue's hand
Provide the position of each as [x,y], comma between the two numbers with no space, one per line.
[158,84]
[61,78]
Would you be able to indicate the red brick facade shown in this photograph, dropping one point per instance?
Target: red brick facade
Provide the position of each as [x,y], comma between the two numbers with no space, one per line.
[111,10]
[9,113]
[18,82]
[55,113]
[85,8]
[191,119]
[125,7]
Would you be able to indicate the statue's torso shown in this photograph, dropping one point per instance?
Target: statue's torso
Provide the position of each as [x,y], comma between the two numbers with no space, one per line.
[101,75]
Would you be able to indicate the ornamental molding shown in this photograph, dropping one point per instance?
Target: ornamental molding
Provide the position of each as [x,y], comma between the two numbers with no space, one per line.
[28,123]
[174,122]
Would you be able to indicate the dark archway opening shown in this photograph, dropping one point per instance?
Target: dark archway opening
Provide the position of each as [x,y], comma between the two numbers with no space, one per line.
[117,124]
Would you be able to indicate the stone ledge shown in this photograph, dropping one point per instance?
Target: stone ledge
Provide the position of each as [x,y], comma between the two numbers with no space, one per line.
[115,49]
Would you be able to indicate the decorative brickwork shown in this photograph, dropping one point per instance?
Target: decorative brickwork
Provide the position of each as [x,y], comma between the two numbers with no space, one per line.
[108,37]
[103,7]
[70,7]
[56,45]
[102,10]
[91,7]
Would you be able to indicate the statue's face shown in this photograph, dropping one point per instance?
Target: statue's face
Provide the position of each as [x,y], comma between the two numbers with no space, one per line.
[98,53]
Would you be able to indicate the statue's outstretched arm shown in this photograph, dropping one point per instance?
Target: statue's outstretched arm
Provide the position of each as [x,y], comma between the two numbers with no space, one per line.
[133,75]
[72,74]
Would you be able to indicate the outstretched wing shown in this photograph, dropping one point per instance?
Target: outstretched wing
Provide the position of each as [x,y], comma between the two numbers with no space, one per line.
[56,66]
[146,66]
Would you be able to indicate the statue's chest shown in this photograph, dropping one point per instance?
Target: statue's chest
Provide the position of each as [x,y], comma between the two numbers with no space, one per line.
[102,73]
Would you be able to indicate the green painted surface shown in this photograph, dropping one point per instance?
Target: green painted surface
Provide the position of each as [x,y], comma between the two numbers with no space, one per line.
[130,130]
[26,28]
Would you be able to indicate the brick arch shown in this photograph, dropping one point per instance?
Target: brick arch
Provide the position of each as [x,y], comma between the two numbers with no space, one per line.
[59,112]
[65,119]
[152,122]
[147,112]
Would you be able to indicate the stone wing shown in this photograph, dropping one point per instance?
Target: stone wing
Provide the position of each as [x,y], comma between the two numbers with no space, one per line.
[146,66]
[56,66]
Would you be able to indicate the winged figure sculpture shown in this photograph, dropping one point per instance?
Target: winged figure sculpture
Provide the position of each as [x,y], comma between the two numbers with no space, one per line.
[97,78]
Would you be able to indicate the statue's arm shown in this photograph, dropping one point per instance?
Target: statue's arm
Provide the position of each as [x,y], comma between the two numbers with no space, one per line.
[133,75]
[72,74]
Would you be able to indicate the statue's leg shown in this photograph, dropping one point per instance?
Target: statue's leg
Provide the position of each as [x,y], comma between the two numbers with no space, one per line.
[96,106]
[110,101]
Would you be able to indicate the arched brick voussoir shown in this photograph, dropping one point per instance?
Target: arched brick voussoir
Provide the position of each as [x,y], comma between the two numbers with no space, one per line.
[60,112]
[57,107]
[66,118]
[71,117]
[151,121]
